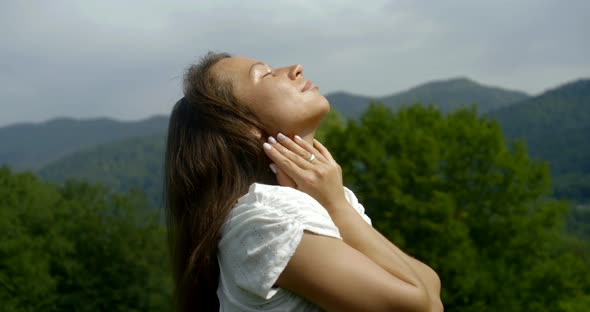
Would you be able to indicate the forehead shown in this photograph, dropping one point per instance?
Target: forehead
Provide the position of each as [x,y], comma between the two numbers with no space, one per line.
[235,67]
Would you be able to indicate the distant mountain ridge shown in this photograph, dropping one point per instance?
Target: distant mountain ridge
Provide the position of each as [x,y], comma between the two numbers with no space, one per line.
[447,95]
[566,105]
[556,127]
[122,165]
[29,146]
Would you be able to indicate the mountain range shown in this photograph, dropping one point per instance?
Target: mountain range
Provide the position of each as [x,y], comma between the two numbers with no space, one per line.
[447,95]
[30,146]
[123,155]
[556,127]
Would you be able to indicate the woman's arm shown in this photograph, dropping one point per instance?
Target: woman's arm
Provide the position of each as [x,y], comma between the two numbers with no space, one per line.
[364,238]
[425,273]
[323,181]
[360,236]
[337,277]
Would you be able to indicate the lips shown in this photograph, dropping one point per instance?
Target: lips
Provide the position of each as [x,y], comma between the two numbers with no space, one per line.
[308,85]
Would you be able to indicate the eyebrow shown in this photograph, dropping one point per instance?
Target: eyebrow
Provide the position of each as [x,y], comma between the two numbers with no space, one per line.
[257,63]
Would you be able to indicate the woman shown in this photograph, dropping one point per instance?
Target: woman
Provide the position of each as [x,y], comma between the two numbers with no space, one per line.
[257,214]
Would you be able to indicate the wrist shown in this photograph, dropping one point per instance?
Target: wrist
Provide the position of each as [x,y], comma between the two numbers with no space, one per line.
[342,213]
[337,206]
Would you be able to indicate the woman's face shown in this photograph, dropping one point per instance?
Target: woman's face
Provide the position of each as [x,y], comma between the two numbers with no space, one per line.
[281,98]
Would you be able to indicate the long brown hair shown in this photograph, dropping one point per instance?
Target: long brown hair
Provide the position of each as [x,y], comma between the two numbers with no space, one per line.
[212,157]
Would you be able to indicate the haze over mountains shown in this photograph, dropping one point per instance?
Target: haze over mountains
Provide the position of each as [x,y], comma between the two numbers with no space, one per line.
[556,125]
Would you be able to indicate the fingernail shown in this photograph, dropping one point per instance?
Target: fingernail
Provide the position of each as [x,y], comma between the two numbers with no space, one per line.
[298,138]
[273,168]
[266,146]
[272,140]
[281,136]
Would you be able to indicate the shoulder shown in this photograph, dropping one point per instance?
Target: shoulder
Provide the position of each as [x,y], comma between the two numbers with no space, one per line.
[265,207]
[275,199]
[259,193]
[280,202]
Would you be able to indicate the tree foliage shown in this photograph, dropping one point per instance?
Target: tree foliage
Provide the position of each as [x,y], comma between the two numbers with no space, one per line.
[79,248]
[122,165]
[448,190]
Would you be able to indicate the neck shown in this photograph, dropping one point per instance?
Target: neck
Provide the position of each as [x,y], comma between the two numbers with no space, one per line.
[308,137]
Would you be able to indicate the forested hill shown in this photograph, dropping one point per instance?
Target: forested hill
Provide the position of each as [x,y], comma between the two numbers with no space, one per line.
[447,95]
[556,127]
[124,165]
[30,146]
[564,107]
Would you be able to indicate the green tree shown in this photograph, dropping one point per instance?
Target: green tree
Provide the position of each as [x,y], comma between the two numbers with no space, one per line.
[449,191]
[79,247]
[30,243]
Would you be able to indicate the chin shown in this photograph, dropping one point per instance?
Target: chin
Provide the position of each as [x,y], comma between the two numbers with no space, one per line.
[319,110]
[326,105]
[323,113]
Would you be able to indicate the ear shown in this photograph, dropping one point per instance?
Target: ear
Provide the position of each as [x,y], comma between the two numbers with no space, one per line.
[256,132]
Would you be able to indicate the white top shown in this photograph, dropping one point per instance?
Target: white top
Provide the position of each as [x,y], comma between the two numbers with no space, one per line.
[259,237]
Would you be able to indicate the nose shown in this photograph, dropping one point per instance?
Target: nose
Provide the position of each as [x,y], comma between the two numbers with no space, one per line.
[295,71]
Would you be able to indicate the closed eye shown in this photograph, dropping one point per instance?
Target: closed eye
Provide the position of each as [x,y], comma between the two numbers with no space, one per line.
[269,73]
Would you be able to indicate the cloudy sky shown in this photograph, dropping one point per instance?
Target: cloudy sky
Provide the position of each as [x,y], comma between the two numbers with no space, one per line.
[124,59]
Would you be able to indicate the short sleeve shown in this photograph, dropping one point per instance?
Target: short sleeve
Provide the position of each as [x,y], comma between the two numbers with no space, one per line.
[354,202]
[263,231]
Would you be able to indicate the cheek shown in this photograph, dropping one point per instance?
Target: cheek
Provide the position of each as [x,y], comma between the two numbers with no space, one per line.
[275,104]
[268,112]
[281,108]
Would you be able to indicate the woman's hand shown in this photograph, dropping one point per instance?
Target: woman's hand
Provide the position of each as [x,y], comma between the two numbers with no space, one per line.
[310,169]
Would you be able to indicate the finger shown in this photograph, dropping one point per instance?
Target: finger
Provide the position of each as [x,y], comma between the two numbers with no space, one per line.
[275,153]
[282,177]
[296,159]
[294,147]
[322,149]
[308,147]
